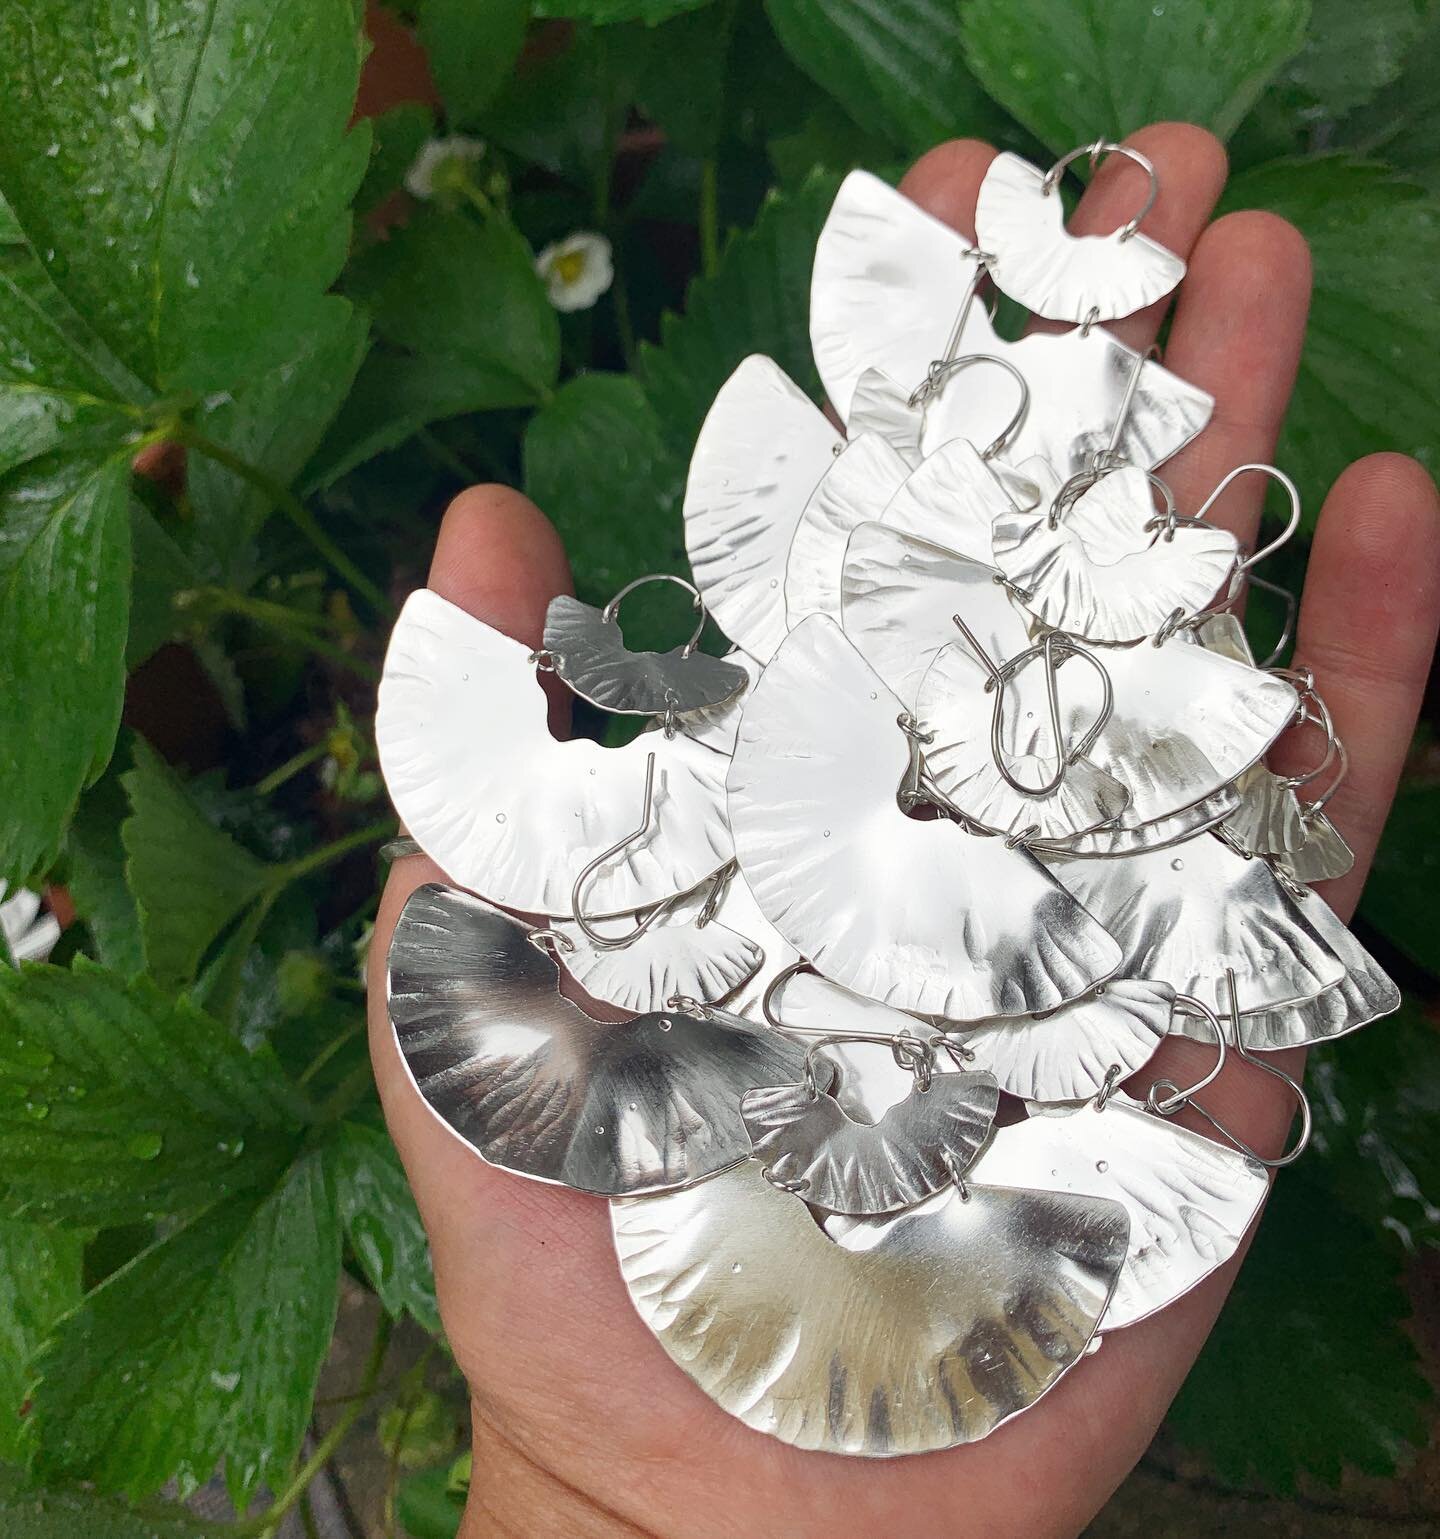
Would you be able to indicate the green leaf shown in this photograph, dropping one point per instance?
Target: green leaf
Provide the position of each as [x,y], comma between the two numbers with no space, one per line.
[683,86]
[472,49]
[757,302]
[118,1103]
[205,1348]
[382,1223]
[1402,124]
[95,873]
[10,232]
[1073,71]
[1370,374]
[396,139]
[58,384]
[426,1506]
[159,570]
[464,296]
[274,421]
[1402,890]
[898,69]
[39,1282]
[64,617]
[189,879]
[1353,51]
[185,172]
[605,11]
[1376,1100]
[596,463]
[48,1514]
[1309,1368]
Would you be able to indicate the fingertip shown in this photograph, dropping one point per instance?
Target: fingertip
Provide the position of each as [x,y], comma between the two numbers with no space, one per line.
[499,557]
[1261,248]
[945,181]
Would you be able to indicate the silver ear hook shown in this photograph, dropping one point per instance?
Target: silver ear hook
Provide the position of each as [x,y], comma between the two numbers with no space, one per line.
[1176,1098]
[1288,598]
[1054,648]
[943,368]
[1291,491]
[587,928]
[612,608]
[1110,457]
[1095,151]
[1322,719]
[1174,1102]
[1313,809]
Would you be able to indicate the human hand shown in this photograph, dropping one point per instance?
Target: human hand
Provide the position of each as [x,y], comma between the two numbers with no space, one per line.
[582,1425]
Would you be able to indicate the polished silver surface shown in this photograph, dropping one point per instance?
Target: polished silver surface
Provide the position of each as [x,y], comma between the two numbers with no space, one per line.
[1067,1056]
[889,283]
[1186,722]
[921,915]
[1267,821]
[1363,994]
[506,810]
[918,1332]
[1098,569]
[882,405]
[1130,836]
[1020,224]
[762,450]
[952,500]
[954,704]
[675,956]
[716,726]
[1321,856]
[1190,1200]
[589,653]
[533,1084]
[898,595]
[1186,914]
[810,1146]
[854,491]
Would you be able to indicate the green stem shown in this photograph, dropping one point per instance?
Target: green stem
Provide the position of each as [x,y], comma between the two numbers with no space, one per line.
[444,455]
[330,1049]
[297,627]
[478,198]
[348,1093]
[266,1524]
[289,504]
[293,870]
[709,218]
[289,769]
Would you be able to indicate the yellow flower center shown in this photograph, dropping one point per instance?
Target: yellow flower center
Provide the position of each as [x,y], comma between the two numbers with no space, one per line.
[570,268]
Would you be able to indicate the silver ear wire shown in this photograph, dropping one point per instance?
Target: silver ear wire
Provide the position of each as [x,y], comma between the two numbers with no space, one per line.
[943,368]
[1095,151]
[612,608]
[1291,491]
[584,921]
[1177,1099]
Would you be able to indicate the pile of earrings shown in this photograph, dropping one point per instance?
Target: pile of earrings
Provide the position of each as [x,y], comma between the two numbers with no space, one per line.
[887,904]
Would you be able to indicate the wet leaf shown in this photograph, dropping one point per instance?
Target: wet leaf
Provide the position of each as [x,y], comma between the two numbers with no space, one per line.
[89,1063]
[188,878]
[64,619]
[1079,69]
[381,1222]
[202,1351]
[185,175]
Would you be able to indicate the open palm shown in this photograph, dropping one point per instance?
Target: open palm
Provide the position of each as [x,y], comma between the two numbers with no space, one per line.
[582,1425]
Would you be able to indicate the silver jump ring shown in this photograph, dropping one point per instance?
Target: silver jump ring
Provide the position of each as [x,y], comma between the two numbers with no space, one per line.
[1095,151]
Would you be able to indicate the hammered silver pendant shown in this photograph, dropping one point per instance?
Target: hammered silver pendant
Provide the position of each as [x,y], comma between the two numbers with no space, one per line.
[1322,854]
[800,1336]
[881,405]
[952,500]
[1187,914]
[586,649]
[1129,835]
[761,452]
[855,490]
[538,1087]
[1020,225]
[1190,1200]
[868,894]
[506,810]
[1100,568]
[926,1142]
[890,282]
